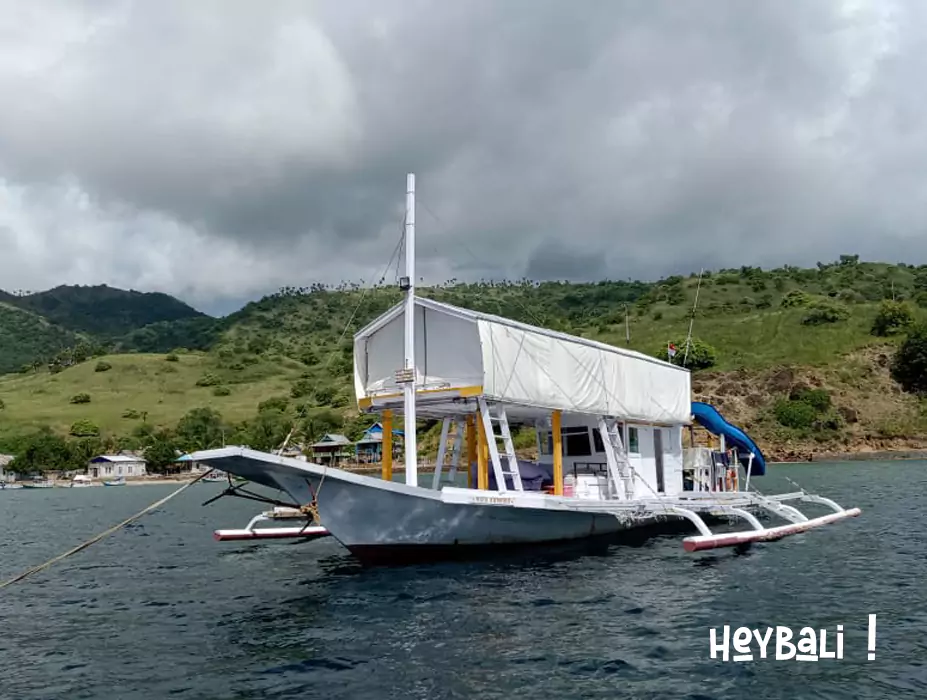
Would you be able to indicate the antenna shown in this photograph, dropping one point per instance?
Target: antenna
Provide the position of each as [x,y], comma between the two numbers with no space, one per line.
[410,441]
[698,286]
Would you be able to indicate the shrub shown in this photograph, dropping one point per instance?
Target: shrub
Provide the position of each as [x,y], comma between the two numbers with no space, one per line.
[84,428]
[131,414]
[324,395]
[275,403]
[221,391]
[893,317]
[795,414]
[795,298]
[2,405]
[818,399]
[102,366]
[700,355]
[909,365]
[300,388]
[822,312]
[172,357]
[83,397]
[208,379]
[850,296]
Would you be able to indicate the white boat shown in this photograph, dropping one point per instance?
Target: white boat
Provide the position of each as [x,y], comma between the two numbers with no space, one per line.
[118,481]
[9,486]
[81,481]
[610,426]
[39,482]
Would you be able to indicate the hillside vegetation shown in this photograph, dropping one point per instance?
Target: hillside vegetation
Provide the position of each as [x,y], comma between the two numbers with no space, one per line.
[104,311]
[801,358]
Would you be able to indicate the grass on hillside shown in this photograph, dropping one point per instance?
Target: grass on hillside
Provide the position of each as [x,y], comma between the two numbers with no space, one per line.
[298,343]
[136,382]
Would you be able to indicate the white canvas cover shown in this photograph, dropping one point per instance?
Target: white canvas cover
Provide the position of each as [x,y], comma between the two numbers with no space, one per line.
[520,364]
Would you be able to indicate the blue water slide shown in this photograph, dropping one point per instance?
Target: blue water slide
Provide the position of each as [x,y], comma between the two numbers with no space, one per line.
[709,418]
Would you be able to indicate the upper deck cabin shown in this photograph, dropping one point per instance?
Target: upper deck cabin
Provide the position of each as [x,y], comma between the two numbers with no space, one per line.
[537,377]
[462,354]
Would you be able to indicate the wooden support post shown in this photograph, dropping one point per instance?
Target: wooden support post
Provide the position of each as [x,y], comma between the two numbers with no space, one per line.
[471,450]
[558,452]
[482,455]
[387,456]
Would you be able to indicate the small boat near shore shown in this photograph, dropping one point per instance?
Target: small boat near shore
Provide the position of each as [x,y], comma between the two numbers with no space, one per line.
[39,482]
[610,426]
[119,481]
[81,481]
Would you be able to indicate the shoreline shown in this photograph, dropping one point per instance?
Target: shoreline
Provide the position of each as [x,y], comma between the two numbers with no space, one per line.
[822,458]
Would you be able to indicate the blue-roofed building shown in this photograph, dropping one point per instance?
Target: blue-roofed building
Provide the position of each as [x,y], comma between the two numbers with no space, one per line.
[370,447]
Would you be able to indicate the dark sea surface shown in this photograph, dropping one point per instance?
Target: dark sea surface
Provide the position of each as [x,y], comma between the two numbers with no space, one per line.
[161,610]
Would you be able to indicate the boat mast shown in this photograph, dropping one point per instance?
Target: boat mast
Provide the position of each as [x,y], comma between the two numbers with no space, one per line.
[411,447]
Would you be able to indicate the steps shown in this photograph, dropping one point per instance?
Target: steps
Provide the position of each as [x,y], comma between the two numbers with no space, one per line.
[496,425]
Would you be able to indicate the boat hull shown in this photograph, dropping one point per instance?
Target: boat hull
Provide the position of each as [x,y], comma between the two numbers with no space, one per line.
[389,523]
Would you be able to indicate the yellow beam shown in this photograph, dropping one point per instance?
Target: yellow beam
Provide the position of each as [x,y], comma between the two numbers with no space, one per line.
[387,445]
[558,453]
[471,449]
[464,391]
[482,457]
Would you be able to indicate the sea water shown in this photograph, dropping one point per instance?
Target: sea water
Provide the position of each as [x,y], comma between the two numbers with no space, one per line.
[161,610]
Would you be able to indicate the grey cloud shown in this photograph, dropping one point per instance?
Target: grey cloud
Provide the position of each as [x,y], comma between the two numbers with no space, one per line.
[647,138]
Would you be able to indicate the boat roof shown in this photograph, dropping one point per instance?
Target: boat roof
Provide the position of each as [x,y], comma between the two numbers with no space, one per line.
[470,314]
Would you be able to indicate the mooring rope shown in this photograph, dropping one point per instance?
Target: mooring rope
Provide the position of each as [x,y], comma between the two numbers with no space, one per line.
[106,533]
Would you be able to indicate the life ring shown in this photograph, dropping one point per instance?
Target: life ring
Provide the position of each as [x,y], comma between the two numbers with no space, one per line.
[731,480]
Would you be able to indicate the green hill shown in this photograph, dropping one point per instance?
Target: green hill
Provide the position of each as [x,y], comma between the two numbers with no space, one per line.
[104,311]
[793,355]
[26,337]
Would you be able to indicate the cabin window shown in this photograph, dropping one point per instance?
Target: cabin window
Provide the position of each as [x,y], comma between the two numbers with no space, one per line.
[633,442]
[597,441]
[576,442]
[546,442]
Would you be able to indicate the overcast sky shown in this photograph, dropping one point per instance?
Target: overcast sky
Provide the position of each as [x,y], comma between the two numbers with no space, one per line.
[219,149]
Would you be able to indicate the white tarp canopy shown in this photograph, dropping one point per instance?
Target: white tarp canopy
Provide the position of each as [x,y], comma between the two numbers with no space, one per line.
[520,364]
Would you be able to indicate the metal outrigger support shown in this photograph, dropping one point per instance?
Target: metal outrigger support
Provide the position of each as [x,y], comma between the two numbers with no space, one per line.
[733,504]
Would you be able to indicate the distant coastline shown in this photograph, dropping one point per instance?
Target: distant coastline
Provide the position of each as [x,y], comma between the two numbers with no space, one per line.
[861,456]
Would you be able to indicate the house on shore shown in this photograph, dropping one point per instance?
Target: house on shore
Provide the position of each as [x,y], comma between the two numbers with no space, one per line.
[5,475]
[333,448]
[369,449]
[127,465]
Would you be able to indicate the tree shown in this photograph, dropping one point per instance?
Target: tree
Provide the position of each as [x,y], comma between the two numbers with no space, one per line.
[42,451]
[200,429]
[893,317]
[161,454]
[909,365]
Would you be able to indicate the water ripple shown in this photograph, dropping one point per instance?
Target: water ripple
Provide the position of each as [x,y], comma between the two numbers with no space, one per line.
[178,615]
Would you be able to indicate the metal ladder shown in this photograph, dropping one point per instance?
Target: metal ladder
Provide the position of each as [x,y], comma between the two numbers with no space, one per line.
[457,441]
[492,437]
[619,469]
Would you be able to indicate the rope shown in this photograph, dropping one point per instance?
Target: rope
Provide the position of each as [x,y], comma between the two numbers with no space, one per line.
[344,332]
[97,538]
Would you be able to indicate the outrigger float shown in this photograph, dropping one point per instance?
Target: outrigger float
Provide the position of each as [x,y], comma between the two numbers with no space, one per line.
[610,427]
[307,531]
